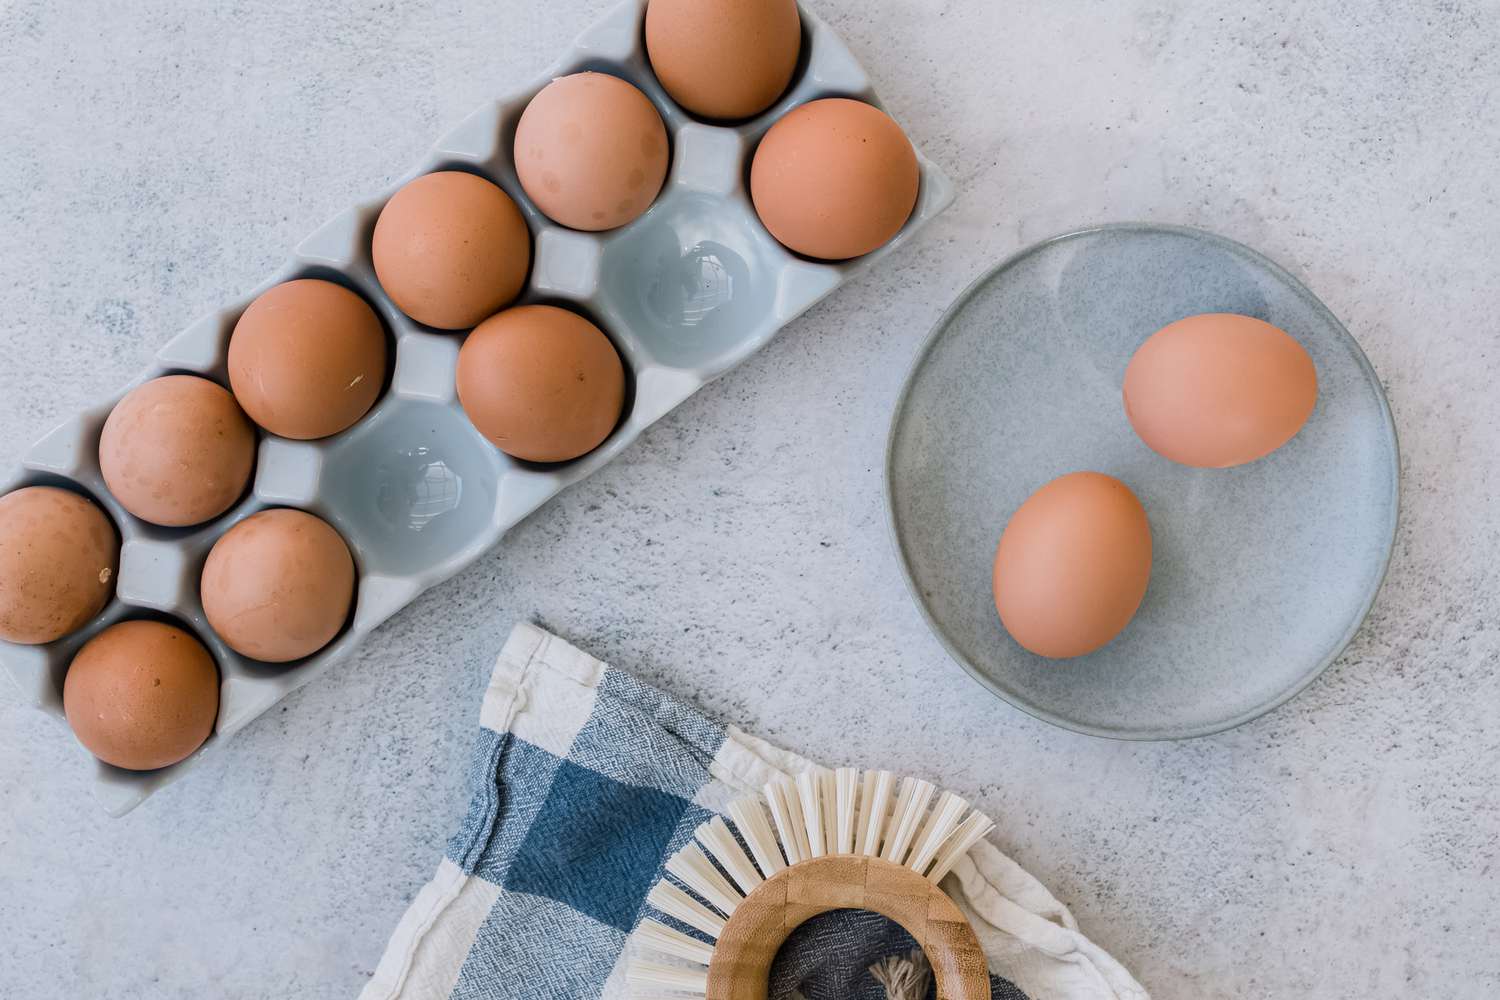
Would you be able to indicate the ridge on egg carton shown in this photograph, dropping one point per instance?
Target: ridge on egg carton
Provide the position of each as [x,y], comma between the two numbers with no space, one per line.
[685,292]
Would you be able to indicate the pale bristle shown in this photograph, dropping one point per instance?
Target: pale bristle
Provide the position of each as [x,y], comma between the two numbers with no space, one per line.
[911,806]
[861,819]
[828,795]
[810,797]
[781,816]
[945,818]
[658,937]
[874,808]
[674,902]
[750,820]
[694,870]
[723,848]
[659,976]
[969,833]
[786,808]
[846,784]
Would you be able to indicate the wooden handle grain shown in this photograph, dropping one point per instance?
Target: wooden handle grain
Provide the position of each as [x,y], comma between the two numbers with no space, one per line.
[741,965]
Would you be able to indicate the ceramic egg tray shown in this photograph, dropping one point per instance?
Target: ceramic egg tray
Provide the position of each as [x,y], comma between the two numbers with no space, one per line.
[685,292]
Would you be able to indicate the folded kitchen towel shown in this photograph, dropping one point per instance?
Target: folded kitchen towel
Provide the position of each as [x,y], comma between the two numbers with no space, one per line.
[584,780]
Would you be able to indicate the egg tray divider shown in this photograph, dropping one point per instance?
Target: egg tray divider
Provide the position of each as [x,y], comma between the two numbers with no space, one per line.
[685,292]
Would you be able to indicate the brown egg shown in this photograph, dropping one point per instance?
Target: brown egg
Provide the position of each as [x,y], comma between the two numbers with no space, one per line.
[278,585]
[450,249]
[307,359]
[724,59]
[591,151]
[142,695]
[1218,390]
[177,450]
[541,383]
[58,557]
[1072,565]
[834,179]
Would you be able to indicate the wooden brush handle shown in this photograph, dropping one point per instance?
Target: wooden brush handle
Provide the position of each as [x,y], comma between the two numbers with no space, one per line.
[741,965]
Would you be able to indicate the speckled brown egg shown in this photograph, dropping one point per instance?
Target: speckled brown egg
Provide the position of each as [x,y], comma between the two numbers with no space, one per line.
[58,557]
[177,450]
[591,151]
[307,359]
[1219,390]
[278,585]
[142,695]
[451,249]
[723,59]
[834,179]
[541,383]
[1073,565]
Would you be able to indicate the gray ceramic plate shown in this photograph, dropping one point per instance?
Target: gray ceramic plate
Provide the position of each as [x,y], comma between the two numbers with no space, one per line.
[1262,574]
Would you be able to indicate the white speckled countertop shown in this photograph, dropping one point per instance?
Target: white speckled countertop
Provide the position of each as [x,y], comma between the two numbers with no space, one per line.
[156,160]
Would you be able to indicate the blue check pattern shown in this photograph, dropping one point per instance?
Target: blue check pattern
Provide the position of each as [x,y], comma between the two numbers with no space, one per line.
[575,843]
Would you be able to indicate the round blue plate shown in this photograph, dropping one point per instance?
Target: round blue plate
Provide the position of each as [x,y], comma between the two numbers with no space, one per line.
[1261,574]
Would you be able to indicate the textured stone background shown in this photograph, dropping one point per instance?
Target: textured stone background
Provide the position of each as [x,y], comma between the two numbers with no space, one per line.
[158,156]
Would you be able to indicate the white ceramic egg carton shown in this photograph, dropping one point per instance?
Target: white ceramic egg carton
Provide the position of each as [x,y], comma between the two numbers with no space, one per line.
[685,292]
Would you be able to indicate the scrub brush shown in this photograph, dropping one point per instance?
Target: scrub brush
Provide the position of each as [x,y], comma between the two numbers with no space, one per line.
[834,840]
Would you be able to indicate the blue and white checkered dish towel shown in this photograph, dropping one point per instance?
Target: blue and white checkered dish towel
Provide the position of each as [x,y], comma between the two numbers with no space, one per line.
[584,781]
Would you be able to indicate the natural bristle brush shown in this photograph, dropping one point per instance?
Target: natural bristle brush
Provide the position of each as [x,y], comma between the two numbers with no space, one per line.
[833,840]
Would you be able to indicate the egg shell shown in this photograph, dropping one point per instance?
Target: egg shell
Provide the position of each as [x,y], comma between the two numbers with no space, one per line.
[59,554]
[177,451]
[278,586]
[307,359]
[541,383]
[835,179]
[1219,390]
[450,248]
[724,59]
[591,151]
[1073,565]
[142,695]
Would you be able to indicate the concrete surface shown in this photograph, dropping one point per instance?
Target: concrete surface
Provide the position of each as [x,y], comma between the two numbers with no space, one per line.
[157,156]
